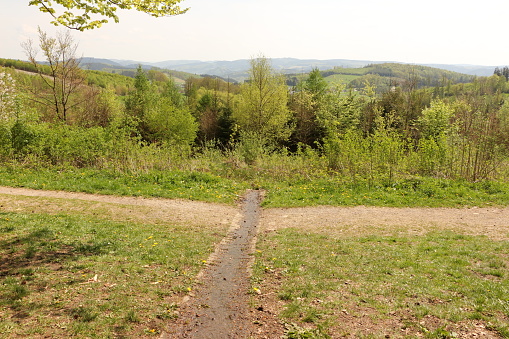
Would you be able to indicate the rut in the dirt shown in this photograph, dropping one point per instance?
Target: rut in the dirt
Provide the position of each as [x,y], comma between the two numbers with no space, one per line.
[219,308]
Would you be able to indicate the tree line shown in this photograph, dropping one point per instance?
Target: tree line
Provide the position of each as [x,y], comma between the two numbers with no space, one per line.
[64,115]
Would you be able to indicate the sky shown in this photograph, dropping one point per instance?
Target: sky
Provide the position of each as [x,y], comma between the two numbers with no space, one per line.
[425,32]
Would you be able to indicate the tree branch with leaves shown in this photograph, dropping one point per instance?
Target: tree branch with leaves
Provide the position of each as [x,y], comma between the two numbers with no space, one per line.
[89,14]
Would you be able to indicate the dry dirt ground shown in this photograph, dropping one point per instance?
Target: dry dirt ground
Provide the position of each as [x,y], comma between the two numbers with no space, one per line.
[337,221]
[357,221]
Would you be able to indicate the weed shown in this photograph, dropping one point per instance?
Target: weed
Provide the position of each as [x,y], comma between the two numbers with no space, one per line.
[7,229]
[440,333]
[311,315]
[285,296]
[294,331]
[166,184]
[82,313]
[18,292]
[132,317]
[291,180]
[30,252]
[93,248]
[26,272]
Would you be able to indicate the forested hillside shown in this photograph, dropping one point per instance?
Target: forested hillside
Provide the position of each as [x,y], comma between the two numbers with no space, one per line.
[388,75]
[383,75]
[377,124]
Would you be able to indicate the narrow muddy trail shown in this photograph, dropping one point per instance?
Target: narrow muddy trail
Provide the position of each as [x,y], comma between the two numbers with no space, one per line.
[219,306]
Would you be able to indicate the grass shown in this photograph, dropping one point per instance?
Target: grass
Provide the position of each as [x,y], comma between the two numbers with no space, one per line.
[288,184]
[166,184]
[389,285]
[64,275]
[416,192]
[341,78]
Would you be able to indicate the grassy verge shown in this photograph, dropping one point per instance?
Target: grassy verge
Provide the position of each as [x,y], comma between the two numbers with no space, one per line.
[440,285]
[67,275]
[166,184]
[282,190]
[416,192]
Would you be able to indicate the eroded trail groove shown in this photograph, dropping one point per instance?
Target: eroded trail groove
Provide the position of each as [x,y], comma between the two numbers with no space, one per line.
[218,308]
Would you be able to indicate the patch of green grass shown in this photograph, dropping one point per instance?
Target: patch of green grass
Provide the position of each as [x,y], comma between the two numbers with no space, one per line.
[294,331]
[417,192]
[94,276]
[443,275]
[166,184]
[84,314]
[341,78]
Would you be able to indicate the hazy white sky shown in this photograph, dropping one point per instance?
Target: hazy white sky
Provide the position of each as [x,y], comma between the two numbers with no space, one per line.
[432,31]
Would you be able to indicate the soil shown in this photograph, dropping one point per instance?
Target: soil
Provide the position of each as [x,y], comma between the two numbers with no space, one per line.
[153,210]
[361,220]
[219,307]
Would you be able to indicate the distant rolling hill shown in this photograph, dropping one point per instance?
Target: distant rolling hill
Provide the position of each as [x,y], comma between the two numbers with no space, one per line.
[352,73]
[237,69]
[384,76]
[128,68]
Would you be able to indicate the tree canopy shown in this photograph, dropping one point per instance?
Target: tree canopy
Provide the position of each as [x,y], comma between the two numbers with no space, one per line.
[262,107]
[89,14]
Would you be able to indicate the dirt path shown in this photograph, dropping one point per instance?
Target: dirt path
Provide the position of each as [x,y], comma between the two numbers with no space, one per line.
[156,210]
[361,220]
[219,306]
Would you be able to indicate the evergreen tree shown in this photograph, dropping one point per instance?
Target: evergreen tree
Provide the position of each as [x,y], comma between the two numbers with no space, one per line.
[505,72]
[316,84]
